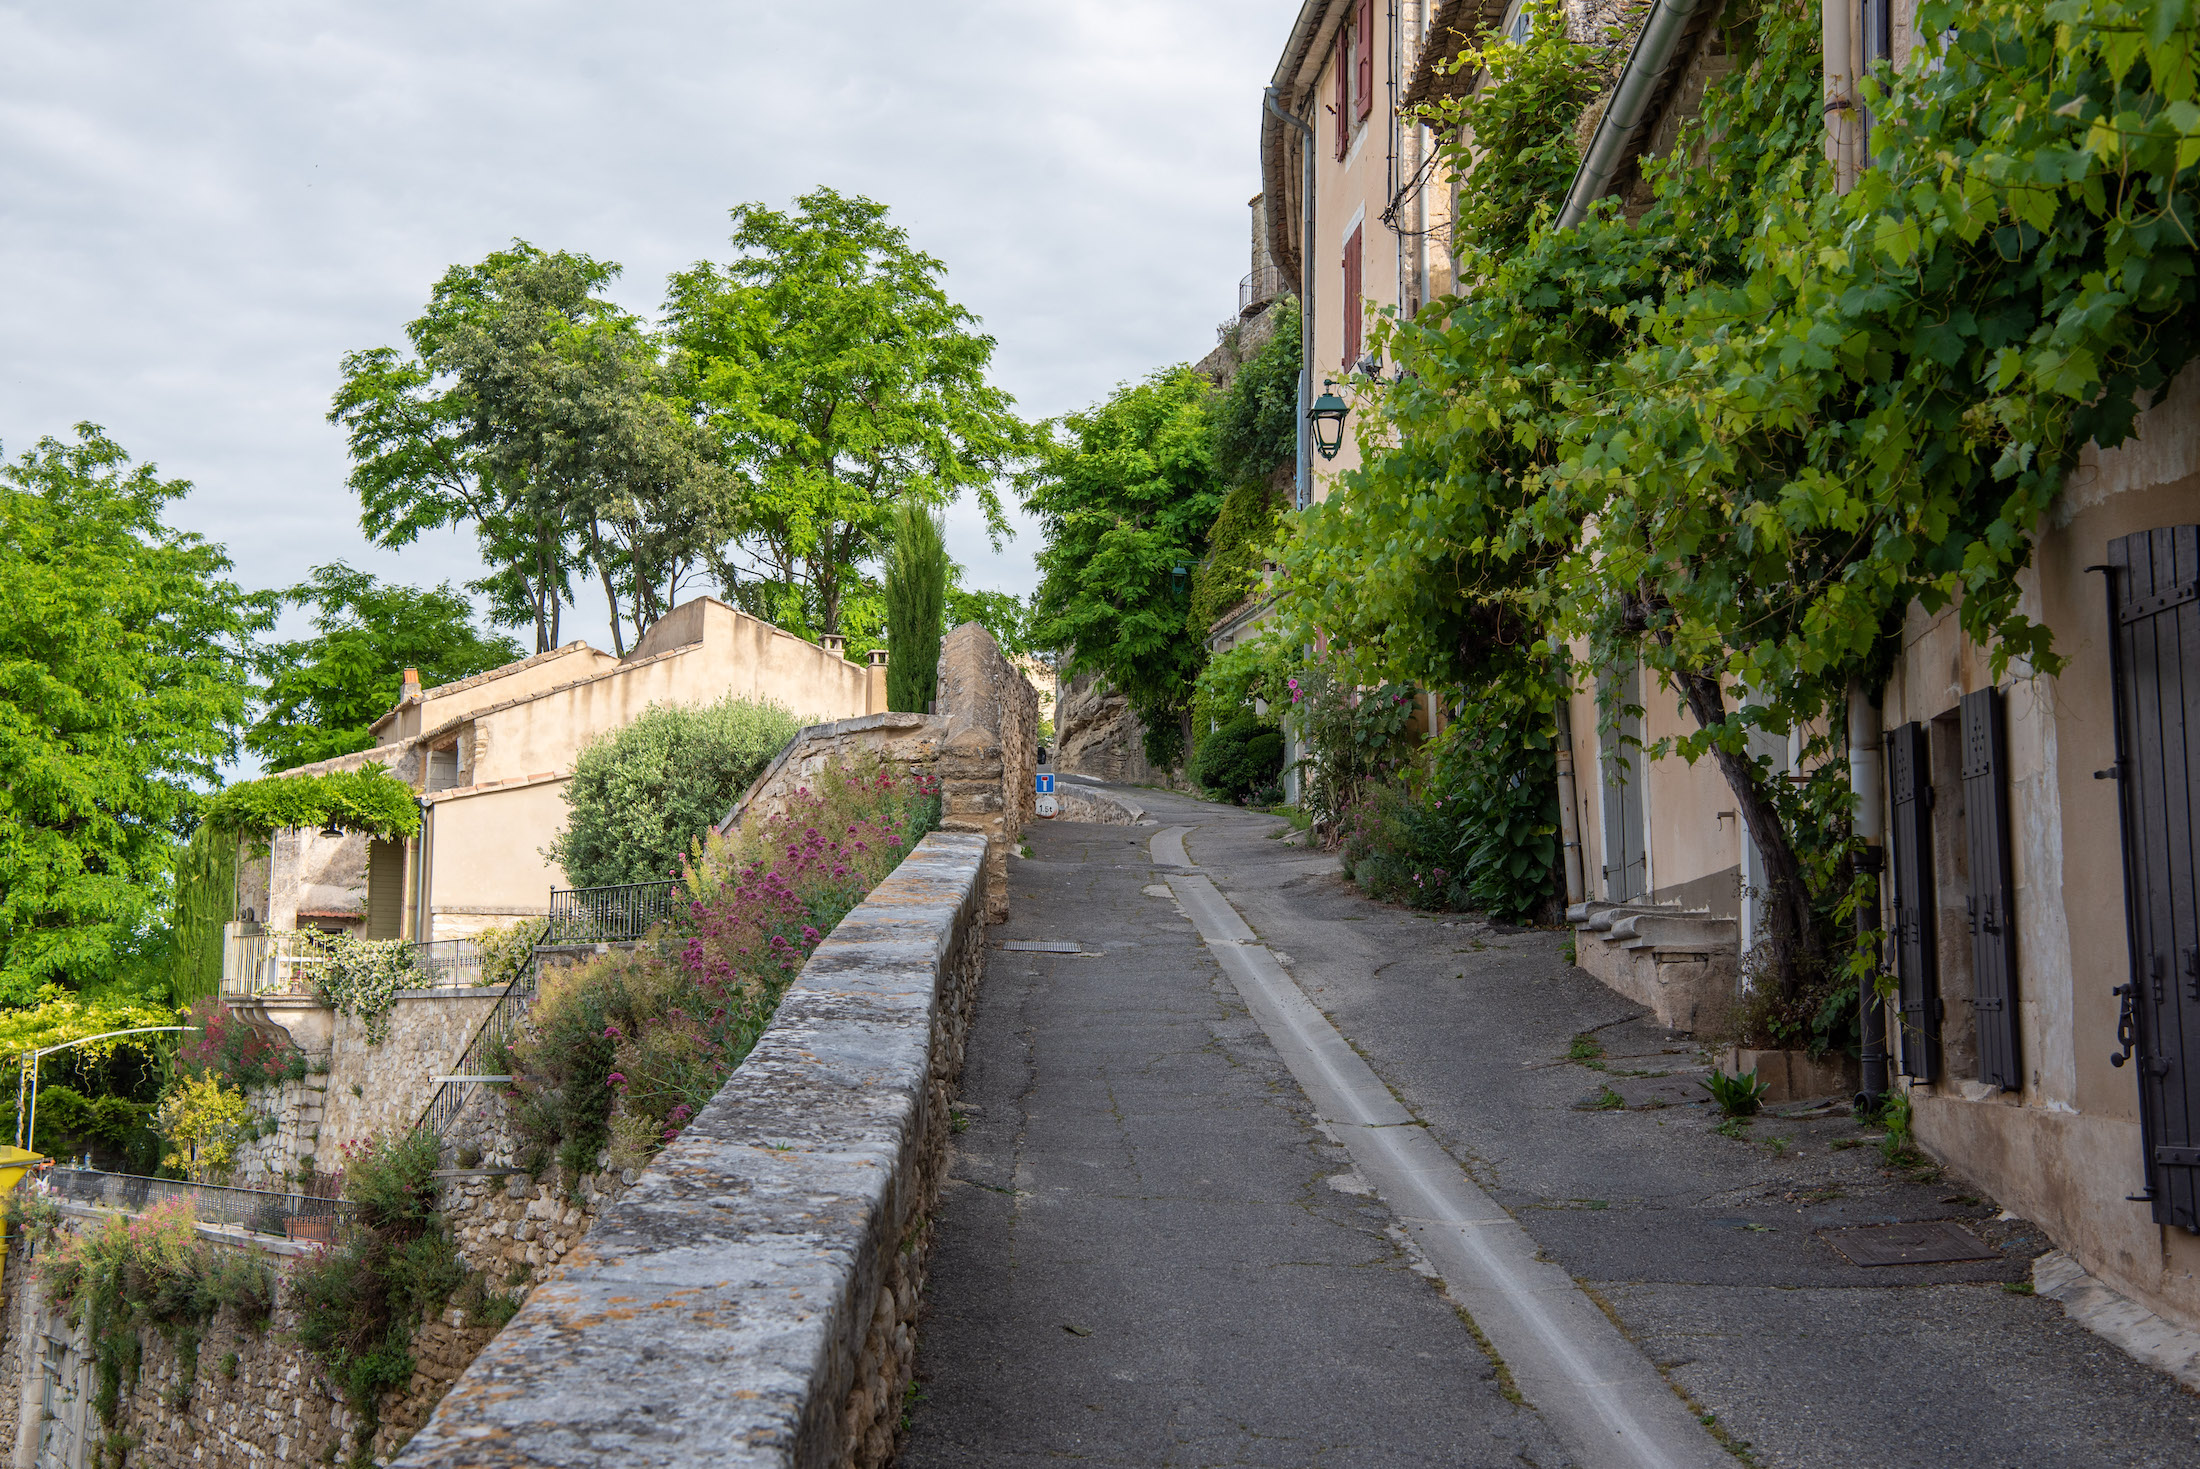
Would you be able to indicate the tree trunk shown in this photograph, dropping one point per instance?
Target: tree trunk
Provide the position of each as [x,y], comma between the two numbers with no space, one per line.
[1794,938]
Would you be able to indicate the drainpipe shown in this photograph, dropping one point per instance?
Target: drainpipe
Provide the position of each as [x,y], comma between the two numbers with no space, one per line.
[1569,823]
[1655,44]
[1305,490]
[1844,133]
[421,909]
[1867,786]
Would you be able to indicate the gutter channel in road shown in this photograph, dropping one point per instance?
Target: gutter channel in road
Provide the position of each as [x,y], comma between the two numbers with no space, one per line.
[1600,1395]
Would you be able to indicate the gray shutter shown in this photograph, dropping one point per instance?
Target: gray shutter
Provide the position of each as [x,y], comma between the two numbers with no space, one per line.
[1993,930]
[385,889]
[1916,938]
[2154,605]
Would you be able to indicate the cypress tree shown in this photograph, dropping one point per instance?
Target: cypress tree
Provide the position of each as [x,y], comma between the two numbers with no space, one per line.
[916,608]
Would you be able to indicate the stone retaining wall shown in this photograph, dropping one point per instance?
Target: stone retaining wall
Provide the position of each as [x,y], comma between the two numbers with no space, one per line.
[983,746]
[752,1298]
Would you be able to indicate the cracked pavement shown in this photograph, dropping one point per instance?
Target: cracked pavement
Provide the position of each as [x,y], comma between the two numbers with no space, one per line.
[1148,1253]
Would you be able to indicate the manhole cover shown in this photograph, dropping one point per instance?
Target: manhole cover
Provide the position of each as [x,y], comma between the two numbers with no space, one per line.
[1042,946]
[1931,1242]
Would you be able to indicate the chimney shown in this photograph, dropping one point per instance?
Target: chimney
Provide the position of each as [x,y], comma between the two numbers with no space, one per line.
[878,657]
[411,695]
[834,644]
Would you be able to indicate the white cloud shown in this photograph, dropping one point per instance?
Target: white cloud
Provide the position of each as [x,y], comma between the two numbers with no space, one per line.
[202,207]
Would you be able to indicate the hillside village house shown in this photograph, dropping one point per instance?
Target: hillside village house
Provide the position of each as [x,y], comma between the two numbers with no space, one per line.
[490,756]
[2039,833]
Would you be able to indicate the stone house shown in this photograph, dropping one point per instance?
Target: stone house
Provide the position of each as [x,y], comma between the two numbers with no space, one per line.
[2037,830]
[489,757]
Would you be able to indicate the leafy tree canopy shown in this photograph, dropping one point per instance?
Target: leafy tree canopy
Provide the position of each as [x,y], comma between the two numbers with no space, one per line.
[1126,491]
[123,684]
[324,693]
[536,411]
[836,378]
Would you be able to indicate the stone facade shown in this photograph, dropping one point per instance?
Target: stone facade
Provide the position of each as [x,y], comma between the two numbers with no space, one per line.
[752,1299]
[1096,734]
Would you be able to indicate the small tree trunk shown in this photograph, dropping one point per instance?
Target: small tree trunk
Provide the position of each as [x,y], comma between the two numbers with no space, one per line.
[1794,938]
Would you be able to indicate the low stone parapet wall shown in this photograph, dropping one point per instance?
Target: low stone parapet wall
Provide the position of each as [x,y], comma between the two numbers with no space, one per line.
[982,746]
[752,1298]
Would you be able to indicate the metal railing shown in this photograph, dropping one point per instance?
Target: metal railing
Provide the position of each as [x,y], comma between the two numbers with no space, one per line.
[484,1053]
[290,961]
[609,915]
[1258,288]
[270,962]
[261,1211]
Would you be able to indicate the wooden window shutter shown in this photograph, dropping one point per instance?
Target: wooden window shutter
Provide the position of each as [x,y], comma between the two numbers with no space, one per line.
[1916,936]
[2154,634]
[1344,90]
[1351,297]
[1365,45]
[1993,928]
[385,889]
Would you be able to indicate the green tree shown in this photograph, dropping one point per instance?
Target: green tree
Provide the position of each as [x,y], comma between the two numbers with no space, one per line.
[123,684]
[916,608]
[536,411]
[836,379]
[324,693]
[639,797]
[1126,492]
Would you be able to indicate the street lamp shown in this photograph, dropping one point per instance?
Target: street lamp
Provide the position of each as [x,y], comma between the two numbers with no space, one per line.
[1328,416]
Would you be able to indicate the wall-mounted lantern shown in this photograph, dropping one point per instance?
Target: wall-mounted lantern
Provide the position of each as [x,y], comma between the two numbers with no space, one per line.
[1328,417]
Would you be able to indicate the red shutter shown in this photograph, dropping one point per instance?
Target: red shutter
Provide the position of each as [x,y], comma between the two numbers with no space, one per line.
[1343,108]
[1351,297]
[1366,48]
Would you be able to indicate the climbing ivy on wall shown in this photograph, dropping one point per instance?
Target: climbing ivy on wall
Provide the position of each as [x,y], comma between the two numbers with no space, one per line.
[1738,438]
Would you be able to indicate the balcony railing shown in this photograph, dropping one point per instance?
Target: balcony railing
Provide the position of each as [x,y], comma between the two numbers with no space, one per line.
[1259,288]
[609,915]
[284,1216]
[291,961]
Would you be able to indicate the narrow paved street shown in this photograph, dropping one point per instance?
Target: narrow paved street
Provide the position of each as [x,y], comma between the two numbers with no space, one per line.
[1156,1249]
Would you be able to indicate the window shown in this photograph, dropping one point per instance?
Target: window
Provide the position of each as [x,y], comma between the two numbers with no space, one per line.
[1350,296]
[1363,71]
[1355,68]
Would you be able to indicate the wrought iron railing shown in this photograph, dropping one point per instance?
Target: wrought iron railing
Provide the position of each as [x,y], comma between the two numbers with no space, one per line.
[1260,287]
[261,1211]
[290,961]
[609,915]
[484,1053]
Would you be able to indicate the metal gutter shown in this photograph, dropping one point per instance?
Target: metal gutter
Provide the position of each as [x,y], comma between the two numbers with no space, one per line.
[1655,46]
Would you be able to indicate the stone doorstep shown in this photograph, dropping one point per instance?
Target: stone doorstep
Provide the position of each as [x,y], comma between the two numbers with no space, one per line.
[1793,1076]
[2125,1323]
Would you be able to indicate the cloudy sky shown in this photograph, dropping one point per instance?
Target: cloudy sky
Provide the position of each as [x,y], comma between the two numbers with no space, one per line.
[202,206]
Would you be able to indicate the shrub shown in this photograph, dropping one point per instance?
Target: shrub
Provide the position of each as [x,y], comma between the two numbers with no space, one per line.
[222,1044]
[154,1270]
[916,607]
[204,1122]
[362,978]
[1241,757]
[640,797]
[70,1123]
[1478,829]
[506,952]
[626,1049]
[395,1265]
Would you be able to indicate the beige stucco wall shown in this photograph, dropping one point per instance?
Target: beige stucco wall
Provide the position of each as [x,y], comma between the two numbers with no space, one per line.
[485,855]
[2064,1148]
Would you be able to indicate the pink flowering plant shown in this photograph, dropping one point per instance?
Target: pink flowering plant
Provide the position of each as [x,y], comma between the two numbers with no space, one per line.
[620,1053]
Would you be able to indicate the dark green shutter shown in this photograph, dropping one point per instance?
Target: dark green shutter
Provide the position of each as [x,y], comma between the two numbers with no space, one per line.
[2154,623]
[1993,928]
[1916,935]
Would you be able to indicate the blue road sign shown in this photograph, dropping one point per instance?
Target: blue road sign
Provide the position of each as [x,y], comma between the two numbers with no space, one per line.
[1046,782]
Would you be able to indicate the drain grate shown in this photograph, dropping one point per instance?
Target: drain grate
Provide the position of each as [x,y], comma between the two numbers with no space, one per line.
[1928,1242]
[1042,946]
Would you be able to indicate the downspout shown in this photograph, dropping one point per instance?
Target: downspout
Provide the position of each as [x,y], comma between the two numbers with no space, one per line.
[1659,38]
[1305,491]
[1867,787]
[421,910]
[1837,34]
[1569,822]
